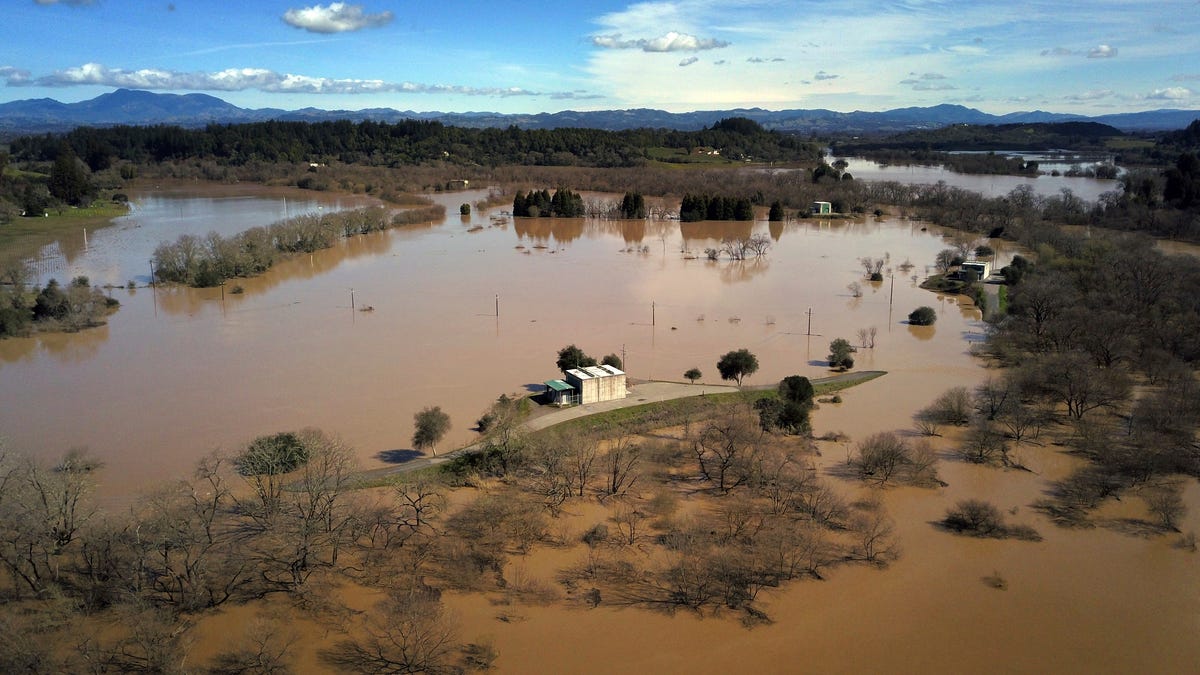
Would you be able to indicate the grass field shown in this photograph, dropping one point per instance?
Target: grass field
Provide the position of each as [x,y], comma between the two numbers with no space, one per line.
[22,238]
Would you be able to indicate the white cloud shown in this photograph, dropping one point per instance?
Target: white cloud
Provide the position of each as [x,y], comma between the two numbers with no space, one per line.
[928,82]
[1170,94]
[669,42]
[933,86]
[1093,95]
[688,61]
[1058,51]
[1102,52]
[71,3]
[241,79]
[338,17]
[1185,77]
[13,77]
[822,75]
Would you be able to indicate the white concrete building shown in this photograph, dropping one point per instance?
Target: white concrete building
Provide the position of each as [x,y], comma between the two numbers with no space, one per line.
[597,383]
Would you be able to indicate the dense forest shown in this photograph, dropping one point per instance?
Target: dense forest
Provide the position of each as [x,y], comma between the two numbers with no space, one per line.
[406,143]
[1074,135]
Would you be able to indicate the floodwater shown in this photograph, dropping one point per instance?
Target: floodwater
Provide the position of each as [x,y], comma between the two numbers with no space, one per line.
[120,253]
[1088,189]
[179,372]
[473,307]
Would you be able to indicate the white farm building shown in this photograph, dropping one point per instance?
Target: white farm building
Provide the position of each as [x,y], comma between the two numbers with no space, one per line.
[593,384]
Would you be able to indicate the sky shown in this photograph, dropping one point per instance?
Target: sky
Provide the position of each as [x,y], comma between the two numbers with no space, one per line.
[1088,57]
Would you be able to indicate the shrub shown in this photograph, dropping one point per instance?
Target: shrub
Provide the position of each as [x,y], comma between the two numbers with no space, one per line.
[840,354]
[922,316]
[978,518]
[272,455]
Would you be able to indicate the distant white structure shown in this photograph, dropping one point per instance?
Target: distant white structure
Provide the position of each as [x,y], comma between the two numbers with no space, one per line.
[597,383]
[981,268]
[821,208]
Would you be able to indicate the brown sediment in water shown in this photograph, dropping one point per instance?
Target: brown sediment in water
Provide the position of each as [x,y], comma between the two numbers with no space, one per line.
[178,373]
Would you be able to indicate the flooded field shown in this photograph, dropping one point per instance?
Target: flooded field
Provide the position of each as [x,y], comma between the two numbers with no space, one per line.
[473,307]
[120,253]
[180,372]
[1088,189]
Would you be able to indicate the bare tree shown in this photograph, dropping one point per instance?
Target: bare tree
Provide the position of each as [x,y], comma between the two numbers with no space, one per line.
[1165,503]
[418,503]
[874,534]
[620,466]
[262,650]
[724,448]
[759,244]
[984,444]
[410,633]
[41,513]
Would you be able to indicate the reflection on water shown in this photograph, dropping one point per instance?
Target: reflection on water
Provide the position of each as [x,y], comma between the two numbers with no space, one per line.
[215,368]
[121,252]
[1088,189]
[178,373]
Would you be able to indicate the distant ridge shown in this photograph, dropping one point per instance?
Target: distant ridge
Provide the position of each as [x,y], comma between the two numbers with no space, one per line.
[135,107]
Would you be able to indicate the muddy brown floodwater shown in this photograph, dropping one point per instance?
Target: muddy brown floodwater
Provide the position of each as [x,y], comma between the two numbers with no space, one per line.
[180,372]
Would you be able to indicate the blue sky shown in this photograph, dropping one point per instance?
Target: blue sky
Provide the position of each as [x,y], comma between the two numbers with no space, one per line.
[1089,57]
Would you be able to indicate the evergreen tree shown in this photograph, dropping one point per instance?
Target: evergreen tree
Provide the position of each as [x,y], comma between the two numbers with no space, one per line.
[68,178]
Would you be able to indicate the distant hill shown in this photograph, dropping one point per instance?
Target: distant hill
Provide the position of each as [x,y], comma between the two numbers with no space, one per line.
[133,107]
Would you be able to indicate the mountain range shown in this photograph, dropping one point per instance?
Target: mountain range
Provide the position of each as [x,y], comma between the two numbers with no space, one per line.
[135,107]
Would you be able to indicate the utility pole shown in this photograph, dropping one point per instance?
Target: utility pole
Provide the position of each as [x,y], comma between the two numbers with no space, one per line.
[351,299]
[892,292]
[624,366]
[809,331]
[497,305]
[652,313]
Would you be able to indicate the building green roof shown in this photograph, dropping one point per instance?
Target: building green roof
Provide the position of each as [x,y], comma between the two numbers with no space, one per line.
[558,385]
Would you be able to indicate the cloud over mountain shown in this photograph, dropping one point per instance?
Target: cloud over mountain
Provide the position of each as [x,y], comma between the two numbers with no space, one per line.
[242,79]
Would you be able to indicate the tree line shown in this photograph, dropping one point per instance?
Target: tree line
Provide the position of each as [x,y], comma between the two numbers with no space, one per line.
[404,143]
[212,259]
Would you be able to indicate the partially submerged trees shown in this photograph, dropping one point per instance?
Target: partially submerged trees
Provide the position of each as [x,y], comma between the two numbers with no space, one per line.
[886,457]
[922,316]
[841,354]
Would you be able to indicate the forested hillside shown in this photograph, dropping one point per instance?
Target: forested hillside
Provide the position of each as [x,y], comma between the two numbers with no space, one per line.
[410,142]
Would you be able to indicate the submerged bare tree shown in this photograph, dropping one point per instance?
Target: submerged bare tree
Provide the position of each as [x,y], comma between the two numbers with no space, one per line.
[408,633]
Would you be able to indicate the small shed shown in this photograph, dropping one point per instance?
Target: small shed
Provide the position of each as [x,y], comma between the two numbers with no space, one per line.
[597,383]
[981,268]
[822,208]
[560,393]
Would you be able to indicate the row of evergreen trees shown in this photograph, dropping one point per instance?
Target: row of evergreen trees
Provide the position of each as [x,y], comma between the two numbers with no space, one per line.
[563,204]
[695,208]
[633,206]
